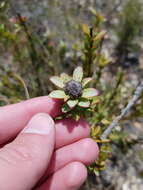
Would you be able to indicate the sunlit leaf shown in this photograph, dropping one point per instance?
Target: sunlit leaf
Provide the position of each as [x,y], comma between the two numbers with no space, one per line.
[84,104]
[86,81]
[105,121]
[65,78]
[92,10]
[76,117]
[72,103]
[78,74]
[96,172]
[2,4]
[57,81]
[59,94]
[86,29]
[96,100]
[100,17]
[90,92]
[65,108]
[100,35]
[96,130]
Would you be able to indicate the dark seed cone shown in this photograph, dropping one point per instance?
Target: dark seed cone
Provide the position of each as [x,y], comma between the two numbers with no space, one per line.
[73,89]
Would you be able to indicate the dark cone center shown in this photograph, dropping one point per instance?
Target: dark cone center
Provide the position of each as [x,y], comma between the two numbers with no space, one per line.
[73,89]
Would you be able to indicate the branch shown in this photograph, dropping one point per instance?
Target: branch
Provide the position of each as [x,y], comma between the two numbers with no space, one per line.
[137,94]
[23,84]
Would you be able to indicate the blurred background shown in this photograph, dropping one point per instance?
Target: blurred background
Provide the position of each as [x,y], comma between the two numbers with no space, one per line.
[39,39]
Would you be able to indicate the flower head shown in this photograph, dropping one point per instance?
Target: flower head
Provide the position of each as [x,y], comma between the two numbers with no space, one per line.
[73,90]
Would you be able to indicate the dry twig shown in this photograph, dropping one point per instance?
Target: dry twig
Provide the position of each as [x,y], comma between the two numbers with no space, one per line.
[137,94]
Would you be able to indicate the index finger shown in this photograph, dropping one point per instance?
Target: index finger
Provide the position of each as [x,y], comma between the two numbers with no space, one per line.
[14,117]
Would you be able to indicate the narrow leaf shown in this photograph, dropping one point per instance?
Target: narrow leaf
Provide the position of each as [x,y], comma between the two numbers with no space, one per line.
[84,104]
[86,29]
[105,121]
[72,103]
[90,92]
[76,117]
[86,81]
[100,35]
[2,4]
[78,74]
[59,94]
[57,81]
[96,130]
[65,78]
[65,108]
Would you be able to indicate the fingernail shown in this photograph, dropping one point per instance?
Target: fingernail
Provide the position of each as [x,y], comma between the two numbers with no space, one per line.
[41,124]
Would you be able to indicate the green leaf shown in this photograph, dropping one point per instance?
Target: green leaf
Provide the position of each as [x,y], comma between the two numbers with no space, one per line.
[65,108]
[84,104]
[105,121]
[57,81]
[65,78]
[2,5]
[78,74]
[92,10]
[100,35]
[90,92]
[59,94]
[72,103]
[86,29]
[76,117]
[86,81]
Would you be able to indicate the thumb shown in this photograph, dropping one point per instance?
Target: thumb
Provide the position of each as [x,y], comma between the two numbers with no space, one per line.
[23,162]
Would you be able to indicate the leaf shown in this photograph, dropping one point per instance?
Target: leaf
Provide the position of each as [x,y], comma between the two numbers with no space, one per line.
[90,92]
[76,117]
[92,10]
[86,81]
[65,78]
[96,172]
[100,35]
[78,74]
[72,103]
[2,27]
[100,18]
[95,100]
[59,94]
[86,29]
[84,104]
[57,81]
[2,5]
[105,121]
[104,59]
[96,130]
[65,108]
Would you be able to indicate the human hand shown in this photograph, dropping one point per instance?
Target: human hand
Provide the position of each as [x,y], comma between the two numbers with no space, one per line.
[37,153]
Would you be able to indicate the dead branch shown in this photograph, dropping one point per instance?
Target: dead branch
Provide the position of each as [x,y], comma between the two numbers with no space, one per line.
[137,94]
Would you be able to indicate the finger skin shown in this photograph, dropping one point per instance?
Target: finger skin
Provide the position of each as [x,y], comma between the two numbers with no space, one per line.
[13,118]
[71,177]
[23,162]
[85,151]
[69,131]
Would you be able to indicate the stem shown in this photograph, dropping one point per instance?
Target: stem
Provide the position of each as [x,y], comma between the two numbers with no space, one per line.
[137,94]
[23,84]
[87,67]
[33,53]
[115,90]
[99,72]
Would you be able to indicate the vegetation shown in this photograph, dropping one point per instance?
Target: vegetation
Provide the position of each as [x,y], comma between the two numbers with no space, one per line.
[31,61]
